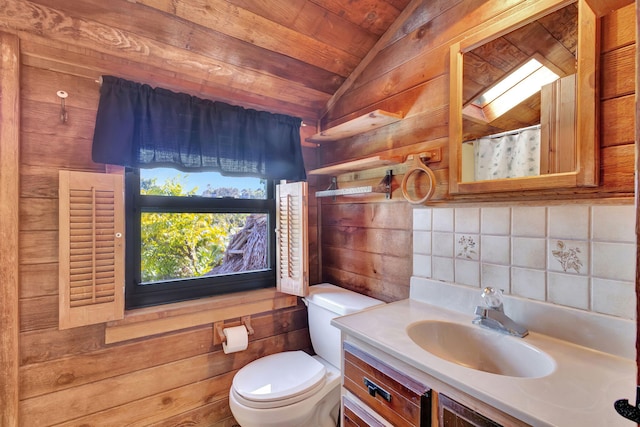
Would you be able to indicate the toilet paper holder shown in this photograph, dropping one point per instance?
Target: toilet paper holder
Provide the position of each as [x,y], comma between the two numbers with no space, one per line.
[218,335]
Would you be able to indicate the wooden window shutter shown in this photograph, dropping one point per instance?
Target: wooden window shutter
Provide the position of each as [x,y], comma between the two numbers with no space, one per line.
[292,252]
[91,248]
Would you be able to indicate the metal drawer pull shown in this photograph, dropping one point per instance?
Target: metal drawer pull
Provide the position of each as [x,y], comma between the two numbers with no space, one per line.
[376,389]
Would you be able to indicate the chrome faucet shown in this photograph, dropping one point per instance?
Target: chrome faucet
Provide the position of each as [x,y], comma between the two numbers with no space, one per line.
[492,315]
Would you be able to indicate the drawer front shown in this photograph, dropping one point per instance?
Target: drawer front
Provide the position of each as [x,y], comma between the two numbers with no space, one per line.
[355,416]
[396,397]
[452,413]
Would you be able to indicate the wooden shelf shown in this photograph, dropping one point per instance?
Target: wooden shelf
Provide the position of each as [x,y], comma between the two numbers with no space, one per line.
[356,165]
[365,123]
[347,191]
[383,187]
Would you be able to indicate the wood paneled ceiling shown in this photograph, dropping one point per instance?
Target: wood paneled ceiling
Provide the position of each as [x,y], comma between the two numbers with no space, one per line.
[283,56]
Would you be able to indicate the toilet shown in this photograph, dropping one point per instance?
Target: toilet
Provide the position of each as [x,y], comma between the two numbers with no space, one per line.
[293,388]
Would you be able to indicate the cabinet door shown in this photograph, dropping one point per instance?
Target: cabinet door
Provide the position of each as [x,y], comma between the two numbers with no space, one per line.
[395,396]
[453,414]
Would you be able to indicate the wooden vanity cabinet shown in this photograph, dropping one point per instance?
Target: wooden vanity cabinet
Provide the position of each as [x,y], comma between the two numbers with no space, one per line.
[381,391]
[398,398]
[454,414]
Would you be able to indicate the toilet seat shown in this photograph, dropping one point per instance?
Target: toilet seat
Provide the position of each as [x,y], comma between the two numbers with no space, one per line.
[278,380]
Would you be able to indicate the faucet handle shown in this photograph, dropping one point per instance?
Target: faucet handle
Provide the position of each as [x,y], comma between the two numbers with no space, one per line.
[492,297]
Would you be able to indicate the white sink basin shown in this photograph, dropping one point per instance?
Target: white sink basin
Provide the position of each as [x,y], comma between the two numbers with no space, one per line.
[481,349]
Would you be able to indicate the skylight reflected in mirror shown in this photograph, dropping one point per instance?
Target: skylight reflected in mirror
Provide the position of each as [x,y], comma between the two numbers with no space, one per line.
[519,85]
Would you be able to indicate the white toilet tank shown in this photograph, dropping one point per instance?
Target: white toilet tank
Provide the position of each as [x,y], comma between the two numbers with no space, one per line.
[324,302]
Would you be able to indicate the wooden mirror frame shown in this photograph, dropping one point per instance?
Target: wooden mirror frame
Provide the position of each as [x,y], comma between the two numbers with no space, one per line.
[587,149]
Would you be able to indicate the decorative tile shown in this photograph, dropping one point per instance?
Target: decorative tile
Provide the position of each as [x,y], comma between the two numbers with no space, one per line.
[442,244]
[528,283]
[496,220]
[442,219]
[422,219]
[614,297]
[467,220]
[578,256]
[569,290]
[495,249]
[467,272]
[568,256]
[613,223]
[569,222]
[615,261]
[467,246]
[422,242]
[529,252]
[442,268]
[421,265]
[497,276]
[529,221]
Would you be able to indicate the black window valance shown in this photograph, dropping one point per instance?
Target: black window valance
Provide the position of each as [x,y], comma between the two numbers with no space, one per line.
[141,126]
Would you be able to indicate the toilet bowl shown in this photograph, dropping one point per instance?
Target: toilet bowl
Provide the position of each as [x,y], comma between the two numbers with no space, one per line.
[292,388]
[286,389]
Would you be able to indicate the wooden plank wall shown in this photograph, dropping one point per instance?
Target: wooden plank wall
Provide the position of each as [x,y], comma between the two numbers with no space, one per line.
[366,240]
[71,377]
[637,199]
[9,236]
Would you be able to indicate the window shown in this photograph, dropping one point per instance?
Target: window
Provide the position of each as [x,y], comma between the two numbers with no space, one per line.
[92,243]
[196,234]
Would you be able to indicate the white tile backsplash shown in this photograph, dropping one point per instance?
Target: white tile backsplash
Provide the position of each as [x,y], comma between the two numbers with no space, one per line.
[422,242]
[569,290]
[579,256]
[496,276]
[467,272]
[495,249]
[496,220]
[529,221]
[422,265]
[614,223]
[422,219]
[443,268]
[467,220]
[442,219]
[529,252]
[442,244]
[614,260]
[529,283]
[614,297]
[569,222]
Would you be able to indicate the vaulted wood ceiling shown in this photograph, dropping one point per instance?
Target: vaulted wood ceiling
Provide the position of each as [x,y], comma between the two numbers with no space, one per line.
[284,56]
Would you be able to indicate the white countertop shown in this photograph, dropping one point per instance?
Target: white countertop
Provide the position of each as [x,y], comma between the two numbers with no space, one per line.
[581,390]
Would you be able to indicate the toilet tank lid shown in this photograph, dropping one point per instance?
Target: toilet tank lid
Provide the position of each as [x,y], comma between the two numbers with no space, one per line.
[339,300]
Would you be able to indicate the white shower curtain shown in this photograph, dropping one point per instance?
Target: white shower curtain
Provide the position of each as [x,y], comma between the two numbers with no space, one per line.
[508,156]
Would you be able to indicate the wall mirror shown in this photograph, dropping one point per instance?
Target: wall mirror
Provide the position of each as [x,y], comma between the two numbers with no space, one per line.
[523,101]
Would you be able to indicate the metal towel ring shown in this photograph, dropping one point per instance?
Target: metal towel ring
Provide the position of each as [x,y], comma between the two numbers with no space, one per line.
[418,166]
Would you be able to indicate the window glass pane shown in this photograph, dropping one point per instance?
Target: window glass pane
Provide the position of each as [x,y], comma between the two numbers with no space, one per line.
[171,182]
[189,245]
